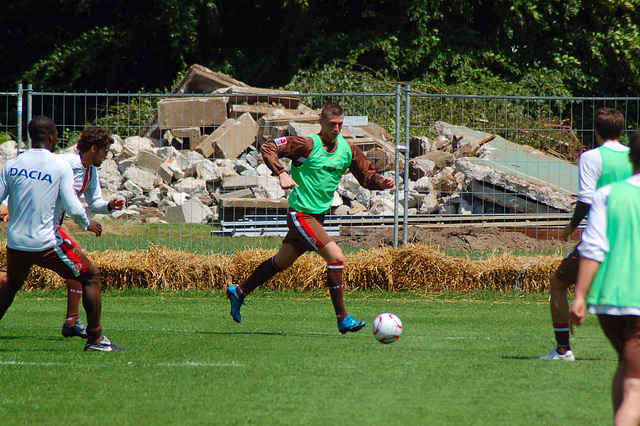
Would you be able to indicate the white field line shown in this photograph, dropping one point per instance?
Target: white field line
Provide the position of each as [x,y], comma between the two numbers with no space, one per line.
[159,364]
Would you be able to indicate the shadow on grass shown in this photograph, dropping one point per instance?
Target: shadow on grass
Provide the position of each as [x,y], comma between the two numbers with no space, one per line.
[267,333]
[551,362]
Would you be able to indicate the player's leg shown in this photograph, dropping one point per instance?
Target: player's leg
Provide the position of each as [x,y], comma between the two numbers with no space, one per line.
[72,263]
[73,326]
[628,413]
[3,274]
[236,294]
[559,282]
[18,266]
[334,257]
[624,334]
[285,257]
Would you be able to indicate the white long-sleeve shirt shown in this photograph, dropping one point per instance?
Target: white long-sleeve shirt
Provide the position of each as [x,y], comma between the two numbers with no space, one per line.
[86,184]
[595,244]
[590,169]
[36,181]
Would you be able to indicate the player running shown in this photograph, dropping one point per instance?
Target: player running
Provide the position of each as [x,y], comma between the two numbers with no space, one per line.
[318,163]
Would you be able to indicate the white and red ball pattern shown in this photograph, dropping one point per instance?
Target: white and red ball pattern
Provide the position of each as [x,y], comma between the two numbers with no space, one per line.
[387,328]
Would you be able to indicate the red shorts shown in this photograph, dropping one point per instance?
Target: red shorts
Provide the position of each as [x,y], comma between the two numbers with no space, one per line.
[624,334]
[568,270]
[306,232]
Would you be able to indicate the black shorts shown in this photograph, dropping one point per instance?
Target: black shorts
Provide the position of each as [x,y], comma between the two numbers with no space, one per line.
[66,260]
[624,334]
[567,272]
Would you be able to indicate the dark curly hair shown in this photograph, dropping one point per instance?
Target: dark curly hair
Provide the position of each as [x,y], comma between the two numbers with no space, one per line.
[94,135]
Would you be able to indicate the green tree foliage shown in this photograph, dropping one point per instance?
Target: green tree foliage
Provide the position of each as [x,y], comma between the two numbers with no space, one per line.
[547,47]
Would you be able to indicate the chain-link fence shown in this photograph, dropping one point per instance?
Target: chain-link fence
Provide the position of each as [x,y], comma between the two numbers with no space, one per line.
[190,168]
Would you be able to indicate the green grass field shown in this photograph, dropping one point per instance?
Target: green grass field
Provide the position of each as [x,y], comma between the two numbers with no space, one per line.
[462,359]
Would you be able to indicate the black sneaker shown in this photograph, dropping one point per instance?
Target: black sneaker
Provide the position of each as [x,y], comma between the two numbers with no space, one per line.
[104,345]
[77,329]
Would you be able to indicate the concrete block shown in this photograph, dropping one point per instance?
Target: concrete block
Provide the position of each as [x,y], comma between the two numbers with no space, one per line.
[148,160]
[176,113]
[191,211]
[303,129]
[252,95]
[166,173]
[231,138]
[233,182]
[189,137]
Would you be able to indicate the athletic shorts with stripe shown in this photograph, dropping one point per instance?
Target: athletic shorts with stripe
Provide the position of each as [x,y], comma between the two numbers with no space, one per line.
[67,260]
[306,232]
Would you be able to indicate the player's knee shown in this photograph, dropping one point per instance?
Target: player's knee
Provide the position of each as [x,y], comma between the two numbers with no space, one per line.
[90,277]
[556,284]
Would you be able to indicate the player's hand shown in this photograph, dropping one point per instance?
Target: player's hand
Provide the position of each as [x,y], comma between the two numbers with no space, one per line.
[286,181]
[95,227]
[577,312]
[388,183]
[117,204]
[4,212]
[567,231]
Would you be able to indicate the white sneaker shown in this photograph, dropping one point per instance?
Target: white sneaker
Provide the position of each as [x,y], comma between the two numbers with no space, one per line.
[553,355]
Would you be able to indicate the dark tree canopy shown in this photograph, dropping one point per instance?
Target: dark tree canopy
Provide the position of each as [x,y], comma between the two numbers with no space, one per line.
[569,47]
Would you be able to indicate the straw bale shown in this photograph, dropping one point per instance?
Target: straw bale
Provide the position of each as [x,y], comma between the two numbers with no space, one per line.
[369,270]
[417,267]
[506,271]
[420,267]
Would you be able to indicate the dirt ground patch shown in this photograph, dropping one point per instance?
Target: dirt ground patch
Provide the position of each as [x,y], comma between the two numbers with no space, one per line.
[463,239]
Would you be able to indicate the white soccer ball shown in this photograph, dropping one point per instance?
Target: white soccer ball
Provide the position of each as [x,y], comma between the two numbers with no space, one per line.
[387,328]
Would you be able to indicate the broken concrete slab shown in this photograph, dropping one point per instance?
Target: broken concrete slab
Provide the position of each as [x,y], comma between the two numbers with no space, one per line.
[186,138]
[256,110]
[148,160]
[275,124]
[252,95]
[174,113]
[230,139]
[517,169]
[233,182]
[241,193]
[200,79]
[191,211]
[303,129]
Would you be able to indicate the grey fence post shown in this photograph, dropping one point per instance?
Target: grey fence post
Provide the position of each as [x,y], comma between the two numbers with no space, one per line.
[19,119]
[29,111]
[397,170]
[405,204]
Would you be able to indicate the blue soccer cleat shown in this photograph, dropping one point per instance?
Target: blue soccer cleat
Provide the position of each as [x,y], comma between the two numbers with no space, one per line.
[350,324]
[236,303]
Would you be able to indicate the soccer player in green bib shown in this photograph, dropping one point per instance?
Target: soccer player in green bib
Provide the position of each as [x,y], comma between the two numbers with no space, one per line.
[607,163]
[318,163]
[610,268]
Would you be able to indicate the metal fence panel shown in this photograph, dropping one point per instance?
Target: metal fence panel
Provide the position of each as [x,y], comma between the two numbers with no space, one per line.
[184,158]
